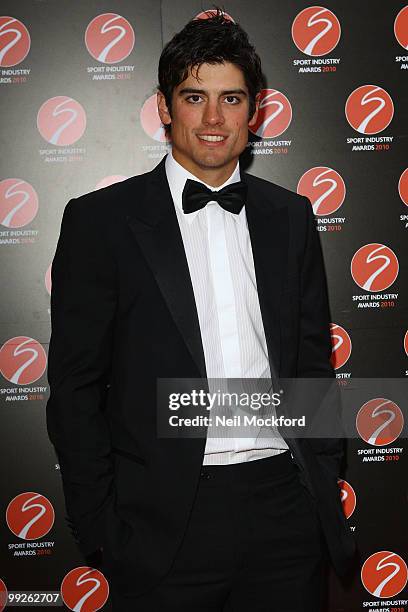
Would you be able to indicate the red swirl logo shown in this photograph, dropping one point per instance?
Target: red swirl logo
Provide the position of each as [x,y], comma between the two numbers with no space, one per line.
[61,121]
[150,120]
[22,360]
[401,27]
[316,31]
[14,42]
[374,267]
[325,189]
[18,202]
[384,574]
[348,497]
[369,109]
[30,516]
[406,343]
[379,422]
[341,346]
[274,116]
[109,38]
[84,589]
[403,186]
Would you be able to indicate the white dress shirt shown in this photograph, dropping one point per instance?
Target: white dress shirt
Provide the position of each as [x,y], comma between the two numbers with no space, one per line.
[221,266]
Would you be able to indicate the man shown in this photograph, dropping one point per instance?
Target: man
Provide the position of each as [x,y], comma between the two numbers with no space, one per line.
[158,278]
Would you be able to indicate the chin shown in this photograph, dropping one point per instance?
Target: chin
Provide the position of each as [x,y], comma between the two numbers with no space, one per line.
[213,162]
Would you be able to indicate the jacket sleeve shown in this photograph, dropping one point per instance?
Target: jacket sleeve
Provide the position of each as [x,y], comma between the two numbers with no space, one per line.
[315,351]
[83,305]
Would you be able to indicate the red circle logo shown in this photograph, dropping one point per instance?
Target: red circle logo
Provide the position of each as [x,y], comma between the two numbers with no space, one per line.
[14,42]
[3,595]
[110,180]
[150,120]
[22,360]
[341,346]
[374,267]
[348,497]
[384,574]
[401,27]
[379,422]
[406,342]
[109,38]
[316,31]
[61,121]
[30,516]
[325,189]
[18,202]
[369,109]
[274,116]
[403,186]
[211,13]
[84,589]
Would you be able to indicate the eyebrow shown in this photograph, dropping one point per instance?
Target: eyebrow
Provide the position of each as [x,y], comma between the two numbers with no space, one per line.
[226,92]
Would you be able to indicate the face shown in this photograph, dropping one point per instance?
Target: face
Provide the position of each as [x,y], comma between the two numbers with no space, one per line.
[209,121]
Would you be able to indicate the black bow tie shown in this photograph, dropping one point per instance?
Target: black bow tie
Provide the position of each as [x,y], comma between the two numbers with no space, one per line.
[196,196]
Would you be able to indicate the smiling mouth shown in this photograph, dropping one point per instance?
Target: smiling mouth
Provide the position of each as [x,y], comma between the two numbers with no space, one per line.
[209,138]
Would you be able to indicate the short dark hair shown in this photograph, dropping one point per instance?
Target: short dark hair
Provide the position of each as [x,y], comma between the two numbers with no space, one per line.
[213,40]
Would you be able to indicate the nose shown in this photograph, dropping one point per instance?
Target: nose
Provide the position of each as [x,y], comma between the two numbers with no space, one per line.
[213,113]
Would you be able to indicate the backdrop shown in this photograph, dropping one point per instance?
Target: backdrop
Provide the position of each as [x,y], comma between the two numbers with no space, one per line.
[78,108]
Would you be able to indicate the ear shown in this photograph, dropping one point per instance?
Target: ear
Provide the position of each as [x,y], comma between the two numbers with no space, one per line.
[254,117]
[163,111]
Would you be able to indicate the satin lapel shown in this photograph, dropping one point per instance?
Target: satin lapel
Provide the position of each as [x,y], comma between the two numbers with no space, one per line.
[268,229]
[156,229]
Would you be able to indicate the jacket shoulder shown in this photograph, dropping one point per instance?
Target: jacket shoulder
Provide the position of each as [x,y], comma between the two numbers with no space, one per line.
[110,199]
[280,196]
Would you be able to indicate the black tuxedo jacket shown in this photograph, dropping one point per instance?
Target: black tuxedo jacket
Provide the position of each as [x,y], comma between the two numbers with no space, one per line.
[123,314]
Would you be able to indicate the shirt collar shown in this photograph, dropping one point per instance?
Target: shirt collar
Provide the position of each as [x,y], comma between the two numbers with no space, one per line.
[177,176]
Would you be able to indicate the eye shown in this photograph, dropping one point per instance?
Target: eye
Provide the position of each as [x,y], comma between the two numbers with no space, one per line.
[232,100]
[194,98]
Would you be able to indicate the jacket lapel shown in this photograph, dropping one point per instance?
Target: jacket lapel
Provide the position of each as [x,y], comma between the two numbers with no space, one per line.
[156,229]
[267,217]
